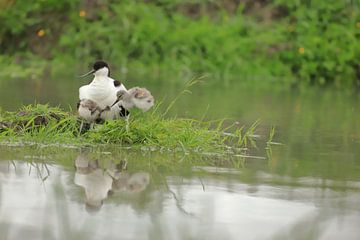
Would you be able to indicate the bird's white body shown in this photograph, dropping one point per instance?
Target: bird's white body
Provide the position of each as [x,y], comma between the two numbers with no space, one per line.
[101,91]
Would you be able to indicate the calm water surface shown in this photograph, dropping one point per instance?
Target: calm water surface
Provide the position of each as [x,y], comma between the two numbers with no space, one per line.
[47,194]
[307,188]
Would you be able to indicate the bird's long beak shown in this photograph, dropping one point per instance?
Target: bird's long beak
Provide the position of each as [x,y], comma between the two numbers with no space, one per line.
[87,74]
[119,95]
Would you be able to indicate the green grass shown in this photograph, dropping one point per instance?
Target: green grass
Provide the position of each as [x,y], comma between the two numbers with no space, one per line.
[51,125]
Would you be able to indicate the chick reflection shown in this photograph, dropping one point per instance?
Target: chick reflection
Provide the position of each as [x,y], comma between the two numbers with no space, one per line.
[101,182]
[133,183]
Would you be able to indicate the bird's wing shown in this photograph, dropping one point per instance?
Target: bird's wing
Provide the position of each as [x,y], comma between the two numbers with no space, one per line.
[83,92]
[118,85]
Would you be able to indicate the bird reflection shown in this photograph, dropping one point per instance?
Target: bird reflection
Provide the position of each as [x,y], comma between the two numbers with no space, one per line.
[101,182]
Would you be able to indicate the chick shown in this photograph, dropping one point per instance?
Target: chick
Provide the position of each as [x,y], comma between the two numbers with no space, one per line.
[136,97]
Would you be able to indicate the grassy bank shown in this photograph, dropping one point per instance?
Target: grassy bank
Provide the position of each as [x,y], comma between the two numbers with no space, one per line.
[41,124]
[301,42]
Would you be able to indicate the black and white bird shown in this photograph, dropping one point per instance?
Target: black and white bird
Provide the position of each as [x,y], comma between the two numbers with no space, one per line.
[98,100]
[107,99]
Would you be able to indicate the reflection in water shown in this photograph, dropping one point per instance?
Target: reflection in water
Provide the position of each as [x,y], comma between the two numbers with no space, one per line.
[99,183]
[205,203]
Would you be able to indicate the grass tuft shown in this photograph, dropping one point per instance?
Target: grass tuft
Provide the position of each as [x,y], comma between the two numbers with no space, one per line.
[39,123]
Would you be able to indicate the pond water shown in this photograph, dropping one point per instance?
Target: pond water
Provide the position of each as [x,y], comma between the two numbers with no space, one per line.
[305,188]
[79,194]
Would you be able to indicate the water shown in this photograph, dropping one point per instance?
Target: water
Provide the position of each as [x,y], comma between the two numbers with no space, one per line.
[47,194]
[306,188]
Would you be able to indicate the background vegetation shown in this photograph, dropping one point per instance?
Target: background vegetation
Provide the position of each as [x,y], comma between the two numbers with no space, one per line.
[261,41]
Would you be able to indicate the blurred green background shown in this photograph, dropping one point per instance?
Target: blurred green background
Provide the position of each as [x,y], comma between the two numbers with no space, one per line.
[260,42]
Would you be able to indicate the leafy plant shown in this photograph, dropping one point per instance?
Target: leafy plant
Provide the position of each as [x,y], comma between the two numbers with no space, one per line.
[314,42]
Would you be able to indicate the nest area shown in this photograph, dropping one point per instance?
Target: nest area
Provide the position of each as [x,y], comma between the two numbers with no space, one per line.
[48,125]
[23,119]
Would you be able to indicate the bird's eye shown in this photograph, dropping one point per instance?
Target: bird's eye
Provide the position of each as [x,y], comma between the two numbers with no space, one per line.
[149,101]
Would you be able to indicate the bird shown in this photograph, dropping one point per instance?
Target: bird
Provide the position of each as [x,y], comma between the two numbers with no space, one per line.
[90,110]
[97,99]
[108,99]
[136,97]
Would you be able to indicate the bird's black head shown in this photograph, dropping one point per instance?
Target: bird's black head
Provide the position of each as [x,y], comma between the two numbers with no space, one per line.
[97,65]
[100,64]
